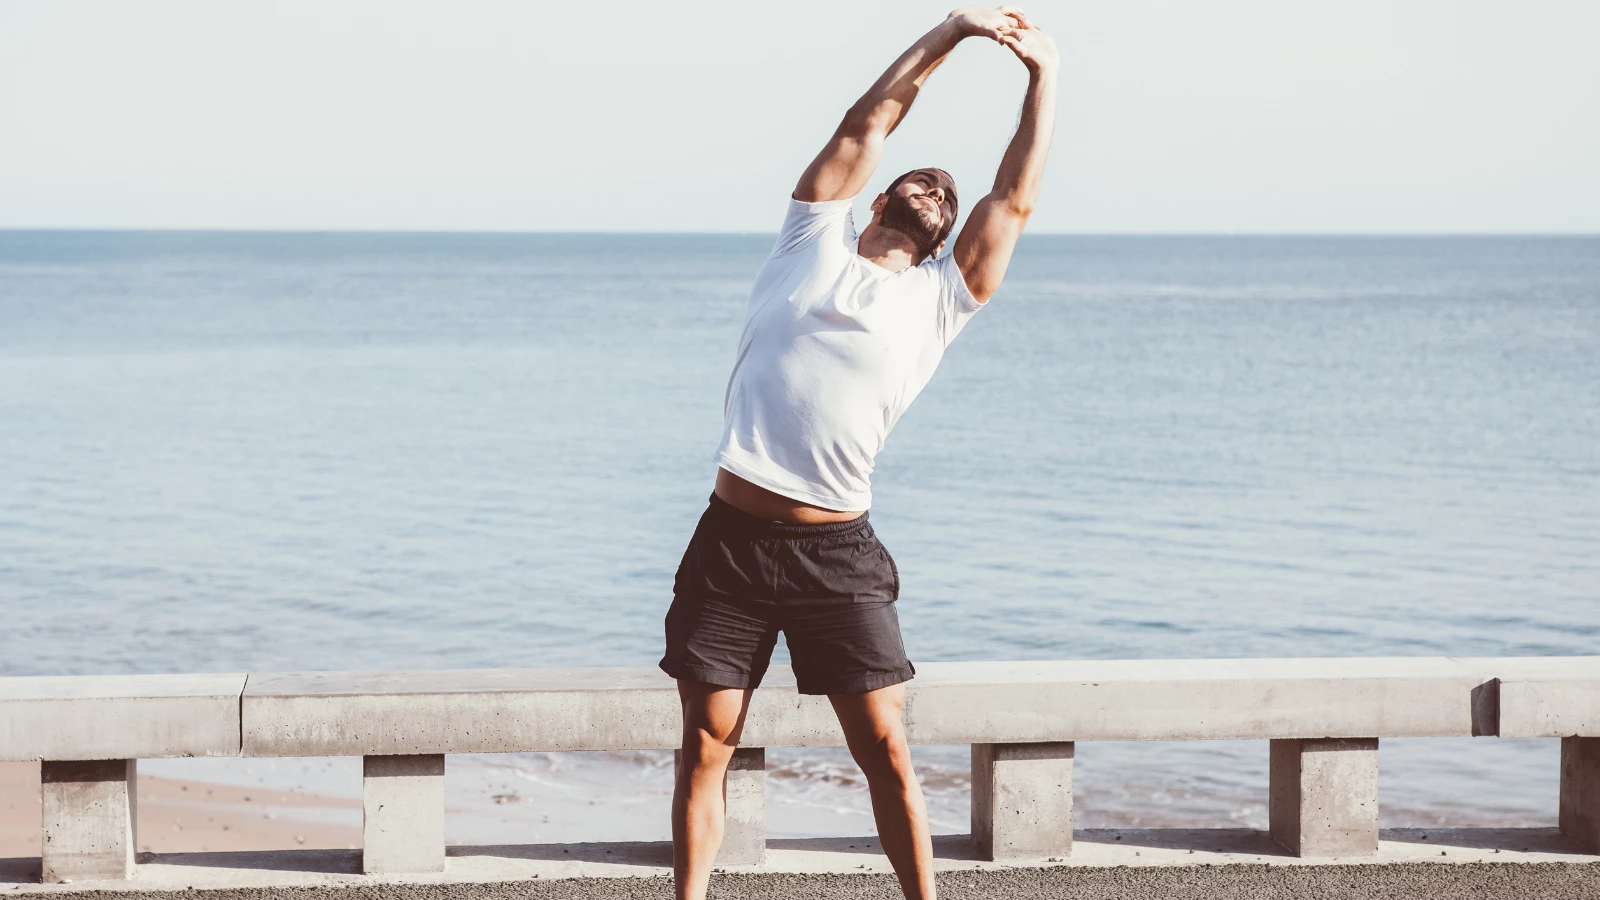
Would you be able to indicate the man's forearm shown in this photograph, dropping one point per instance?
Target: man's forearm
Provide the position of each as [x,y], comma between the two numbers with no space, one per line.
[983,249]
[842,168]
[882,107]
[1021,169]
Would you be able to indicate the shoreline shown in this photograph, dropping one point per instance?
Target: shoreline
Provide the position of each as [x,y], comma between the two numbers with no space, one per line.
[189,816]
[235,804]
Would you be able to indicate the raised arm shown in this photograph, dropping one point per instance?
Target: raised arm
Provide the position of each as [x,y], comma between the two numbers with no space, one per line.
[983,249]
[842,168]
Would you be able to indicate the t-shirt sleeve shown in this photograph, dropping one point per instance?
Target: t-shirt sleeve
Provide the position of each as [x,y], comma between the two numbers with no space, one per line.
[956,303]
[808,223]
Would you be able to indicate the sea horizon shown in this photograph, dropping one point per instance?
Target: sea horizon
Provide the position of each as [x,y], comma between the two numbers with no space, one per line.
[291,450]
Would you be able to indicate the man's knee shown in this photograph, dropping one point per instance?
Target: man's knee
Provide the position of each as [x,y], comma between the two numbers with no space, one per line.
[884,754]
[706,746]
[712,721]
[708,740]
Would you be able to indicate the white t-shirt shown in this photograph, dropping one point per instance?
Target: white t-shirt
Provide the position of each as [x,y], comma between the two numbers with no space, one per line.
[834,350]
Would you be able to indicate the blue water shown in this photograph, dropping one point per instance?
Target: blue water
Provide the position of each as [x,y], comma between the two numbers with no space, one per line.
[329,451]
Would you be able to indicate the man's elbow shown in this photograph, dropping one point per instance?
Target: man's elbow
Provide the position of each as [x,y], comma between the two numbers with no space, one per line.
[866,124]
[1018,207]
[1012,206]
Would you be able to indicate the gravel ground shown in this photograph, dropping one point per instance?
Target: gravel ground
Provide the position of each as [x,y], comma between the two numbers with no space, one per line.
[1467,881]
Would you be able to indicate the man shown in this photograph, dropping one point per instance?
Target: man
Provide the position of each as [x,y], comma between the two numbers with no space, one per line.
[841,334]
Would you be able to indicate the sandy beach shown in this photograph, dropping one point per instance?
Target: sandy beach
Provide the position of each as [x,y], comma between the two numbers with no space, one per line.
[183,816]
[188,805]
[315,804]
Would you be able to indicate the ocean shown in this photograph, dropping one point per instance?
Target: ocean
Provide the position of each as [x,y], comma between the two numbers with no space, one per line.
[279,451]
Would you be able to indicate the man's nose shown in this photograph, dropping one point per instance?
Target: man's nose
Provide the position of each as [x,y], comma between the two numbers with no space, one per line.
[937,194]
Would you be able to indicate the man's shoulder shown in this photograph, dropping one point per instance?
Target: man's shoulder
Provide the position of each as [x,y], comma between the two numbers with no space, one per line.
[946,281]
[808,224]
[938,270]
[807,261]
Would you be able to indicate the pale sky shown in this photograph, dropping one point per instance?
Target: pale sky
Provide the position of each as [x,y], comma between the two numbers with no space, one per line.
[1176,115]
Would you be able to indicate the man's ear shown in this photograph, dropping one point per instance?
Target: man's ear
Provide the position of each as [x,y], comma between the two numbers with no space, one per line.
[878,202]
[938,250]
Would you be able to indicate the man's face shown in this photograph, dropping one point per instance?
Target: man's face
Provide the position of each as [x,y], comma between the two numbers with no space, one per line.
[922,206]
[930,196]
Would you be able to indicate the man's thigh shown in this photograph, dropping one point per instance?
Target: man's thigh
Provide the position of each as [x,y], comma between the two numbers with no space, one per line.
[712,714]
[718,641]
[846,648]
[871,718]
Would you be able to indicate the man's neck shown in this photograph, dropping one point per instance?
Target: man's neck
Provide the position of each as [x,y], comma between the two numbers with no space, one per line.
[887,248]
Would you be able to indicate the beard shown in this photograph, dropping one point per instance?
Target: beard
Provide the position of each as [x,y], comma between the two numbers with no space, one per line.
[920,225]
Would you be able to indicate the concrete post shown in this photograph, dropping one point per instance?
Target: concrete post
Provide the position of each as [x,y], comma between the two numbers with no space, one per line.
[90,811]
[1580,791]
[1022,800]
[1323,796]
[402,800]
[744,832]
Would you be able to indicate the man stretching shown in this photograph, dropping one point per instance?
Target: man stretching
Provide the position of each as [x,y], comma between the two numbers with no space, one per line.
[841,333]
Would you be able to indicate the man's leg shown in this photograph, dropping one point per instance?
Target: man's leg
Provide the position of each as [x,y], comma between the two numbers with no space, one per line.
[713,718]
[877,740]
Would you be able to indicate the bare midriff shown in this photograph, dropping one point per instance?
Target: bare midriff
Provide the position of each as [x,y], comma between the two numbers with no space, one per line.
[764,504]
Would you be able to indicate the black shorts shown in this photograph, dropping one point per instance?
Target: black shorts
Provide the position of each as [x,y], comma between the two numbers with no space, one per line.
[829,588]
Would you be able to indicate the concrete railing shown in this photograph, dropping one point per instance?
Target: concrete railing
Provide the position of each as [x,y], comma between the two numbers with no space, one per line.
[1323,717]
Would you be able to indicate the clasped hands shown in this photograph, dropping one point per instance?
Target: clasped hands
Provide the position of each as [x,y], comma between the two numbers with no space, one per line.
[1009,25]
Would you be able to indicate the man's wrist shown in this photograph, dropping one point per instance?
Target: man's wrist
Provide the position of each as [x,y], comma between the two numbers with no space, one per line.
[956,27]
